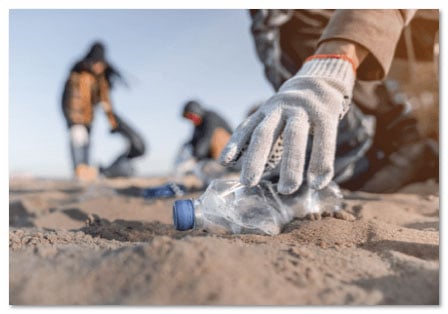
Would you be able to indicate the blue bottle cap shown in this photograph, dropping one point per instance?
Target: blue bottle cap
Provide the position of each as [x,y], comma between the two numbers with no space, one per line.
[183,214]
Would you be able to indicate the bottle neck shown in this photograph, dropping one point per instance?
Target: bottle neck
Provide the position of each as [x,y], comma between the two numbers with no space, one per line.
[198,213]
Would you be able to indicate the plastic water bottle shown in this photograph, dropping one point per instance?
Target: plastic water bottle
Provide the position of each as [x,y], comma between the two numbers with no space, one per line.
[229,206]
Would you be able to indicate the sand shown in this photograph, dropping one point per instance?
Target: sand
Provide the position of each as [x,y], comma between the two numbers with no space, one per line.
[75,244]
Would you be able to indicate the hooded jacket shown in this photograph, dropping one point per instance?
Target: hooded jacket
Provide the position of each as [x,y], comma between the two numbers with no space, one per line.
[211,135]
[84,89]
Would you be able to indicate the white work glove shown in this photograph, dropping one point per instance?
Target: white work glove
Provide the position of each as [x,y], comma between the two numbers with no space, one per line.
[314,100]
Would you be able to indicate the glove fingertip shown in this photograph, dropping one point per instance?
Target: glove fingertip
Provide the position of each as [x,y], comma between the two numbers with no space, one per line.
[228,154]
[249,179]
[287,188]
[318,182]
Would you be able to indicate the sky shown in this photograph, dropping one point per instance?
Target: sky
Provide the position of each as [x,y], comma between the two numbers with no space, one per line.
[167,56]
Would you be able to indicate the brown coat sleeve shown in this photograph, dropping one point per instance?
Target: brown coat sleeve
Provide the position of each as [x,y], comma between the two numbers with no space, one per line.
[376,30]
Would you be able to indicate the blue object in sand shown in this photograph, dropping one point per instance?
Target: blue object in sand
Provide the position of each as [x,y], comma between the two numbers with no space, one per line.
[165,191]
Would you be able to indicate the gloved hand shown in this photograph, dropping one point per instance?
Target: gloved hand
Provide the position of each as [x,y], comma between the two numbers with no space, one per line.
[113,121]
[314,100]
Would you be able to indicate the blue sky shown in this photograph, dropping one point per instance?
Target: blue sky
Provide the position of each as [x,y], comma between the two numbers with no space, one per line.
[168,57]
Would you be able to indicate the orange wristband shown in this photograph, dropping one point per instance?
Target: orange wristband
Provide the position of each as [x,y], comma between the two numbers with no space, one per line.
[333,56]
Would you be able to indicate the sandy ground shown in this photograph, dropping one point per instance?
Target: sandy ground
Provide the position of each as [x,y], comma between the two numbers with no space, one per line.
[102,244]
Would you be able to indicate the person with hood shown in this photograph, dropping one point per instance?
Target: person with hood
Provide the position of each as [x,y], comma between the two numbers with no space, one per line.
[89,84]
[198,156]
[211,131]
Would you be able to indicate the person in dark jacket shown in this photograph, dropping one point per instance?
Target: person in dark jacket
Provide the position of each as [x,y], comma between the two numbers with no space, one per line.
[88,85]
[196,164]
[211,131]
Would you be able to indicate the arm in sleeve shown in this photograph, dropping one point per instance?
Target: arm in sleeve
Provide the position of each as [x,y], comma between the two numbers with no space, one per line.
[376,30]
[201,148]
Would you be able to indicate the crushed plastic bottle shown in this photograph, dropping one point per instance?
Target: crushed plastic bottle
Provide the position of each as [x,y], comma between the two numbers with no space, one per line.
[229,206]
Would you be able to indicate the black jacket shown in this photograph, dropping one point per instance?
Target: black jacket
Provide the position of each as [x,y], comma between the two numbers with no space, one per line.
[203,133]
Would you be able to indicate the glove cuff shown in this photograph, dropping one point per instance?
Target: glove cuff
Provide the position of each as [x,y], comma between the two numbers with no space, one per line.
[338,67]
[333,56]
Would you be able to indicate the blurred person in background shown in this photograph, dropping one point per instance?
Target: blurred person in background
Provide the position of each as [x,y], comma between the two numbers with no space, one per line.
[211,131]
[199,155]
[196,163]
[89,84]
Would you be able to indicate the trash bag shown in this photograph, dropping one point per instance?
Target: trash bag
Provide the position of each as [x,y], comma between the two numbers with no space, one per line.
[122,165]
[355,137]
